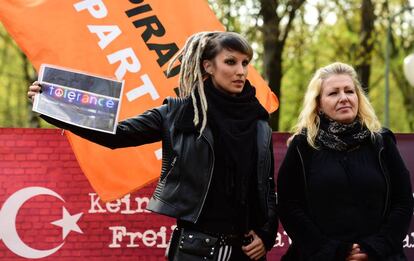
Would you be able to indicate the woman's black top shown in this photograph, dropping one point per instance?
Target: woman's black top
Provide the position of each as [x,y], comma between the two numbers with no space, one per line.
[346,192]
[230,200]
[330,199]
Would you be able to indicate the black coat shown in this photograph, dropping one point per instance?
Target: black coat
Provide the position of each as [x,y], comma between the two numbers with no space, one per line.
[329,200]
[188,161]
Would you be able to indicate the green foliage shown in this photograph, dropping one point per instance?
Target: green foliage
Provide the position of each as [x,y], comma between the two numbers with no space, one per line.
[16,74]
[314,44]
[13,112]
[324,31]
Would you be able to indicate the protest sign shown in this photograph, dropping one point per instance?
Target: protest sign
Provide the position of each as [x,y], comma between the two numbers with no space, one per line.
[79,98]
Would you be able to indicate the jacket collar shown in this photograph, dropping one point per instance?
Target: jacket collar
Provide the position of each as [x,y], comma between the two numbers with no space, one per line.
[185,120]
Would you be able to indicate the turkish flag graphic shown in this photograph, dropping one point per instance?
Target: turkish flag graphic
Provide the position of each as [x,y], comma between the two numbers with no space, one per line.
[49,211]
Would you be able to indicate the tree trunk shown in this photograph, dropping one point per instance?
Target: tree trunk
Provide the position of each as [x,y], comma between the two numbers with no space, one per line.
[272,53]
[274,39]
[366,33]
[273,70]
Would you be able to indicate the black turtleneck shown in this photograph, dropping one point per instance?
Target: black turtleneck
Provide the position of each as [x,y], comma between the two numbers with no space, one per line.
[233,122]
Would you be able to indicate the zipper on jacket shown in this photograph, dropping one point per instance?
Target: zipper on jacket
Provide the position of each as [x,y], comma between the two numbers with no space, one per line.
[163,179]
[209,182]
[304,180]
[173,162]
[386,176]
[266,198]
[170,170]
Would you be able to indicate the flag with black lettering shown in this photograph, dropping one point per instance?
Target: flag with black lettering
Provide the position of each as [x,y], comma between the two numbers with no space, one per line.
[131,40]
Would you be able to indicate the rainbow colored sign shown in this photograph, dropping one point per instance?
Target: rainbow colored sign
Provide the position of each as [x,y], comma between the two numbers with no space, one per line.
[78,98]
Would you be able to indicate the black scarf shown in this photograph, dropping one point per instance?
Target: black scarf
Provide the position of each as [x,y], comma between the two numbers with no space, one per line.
[233,121]
[341,137]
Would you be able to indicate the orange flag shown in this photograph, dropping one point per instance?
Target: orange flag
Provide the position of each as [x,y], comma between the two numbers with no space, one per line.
[131,40]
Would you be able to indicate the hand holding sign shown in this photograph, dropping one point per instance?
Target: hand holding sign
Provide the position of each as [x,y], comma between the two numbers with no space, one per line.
[80,99]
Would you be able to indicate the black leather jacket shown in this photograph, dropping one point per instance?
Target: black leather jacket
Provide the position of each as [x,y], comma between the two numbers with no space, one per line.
[187,162]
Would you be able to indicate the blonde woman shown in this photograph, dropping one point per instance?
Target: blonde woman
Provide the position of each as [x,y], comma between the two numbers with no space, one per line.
[344,191]
[213,138]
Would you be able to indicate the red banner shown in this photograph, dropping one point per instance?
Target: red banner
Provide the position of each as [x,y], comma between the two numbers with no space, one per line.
[131,40]
[49,210]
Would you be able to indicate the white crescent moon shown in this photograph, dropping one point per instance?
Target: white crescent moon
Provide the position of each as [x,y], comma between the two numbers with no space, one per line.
[8,215]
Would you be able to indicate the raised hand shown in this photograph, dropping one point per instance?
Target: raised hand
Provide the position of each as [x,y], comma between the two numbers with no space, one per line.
[34,89]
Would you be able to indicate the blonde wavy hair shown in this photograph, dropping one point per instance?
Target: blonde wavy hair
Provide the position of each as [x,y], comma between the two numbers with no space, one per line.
[309,119]
[199,47]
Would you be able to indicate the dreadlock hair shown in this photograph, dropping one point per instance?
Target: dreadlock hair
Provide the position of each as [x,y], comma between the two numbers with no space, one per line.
[199,47]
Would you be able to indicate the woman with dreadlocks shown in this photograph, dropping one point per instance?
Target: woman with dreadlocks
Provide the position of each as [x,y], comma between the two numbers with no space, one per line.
[217,165]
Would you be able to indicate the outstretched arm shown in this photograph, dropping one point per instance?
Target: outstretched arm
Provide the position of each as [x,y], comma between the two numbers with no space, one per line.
[142,129]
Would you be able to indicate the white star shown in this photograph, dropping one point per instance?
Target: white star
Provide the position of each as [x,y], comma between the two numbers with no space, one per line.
[68,223]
